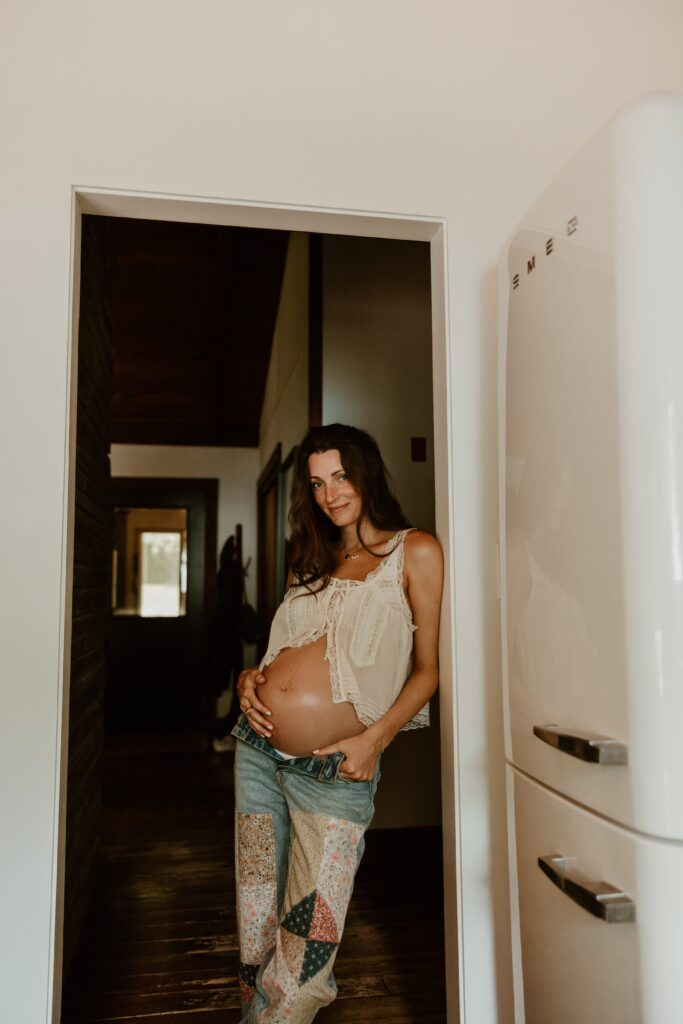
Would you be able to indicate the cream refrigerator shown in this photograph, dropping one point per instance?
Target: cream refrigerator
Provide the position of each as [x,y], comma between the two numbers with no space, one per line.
[591,441]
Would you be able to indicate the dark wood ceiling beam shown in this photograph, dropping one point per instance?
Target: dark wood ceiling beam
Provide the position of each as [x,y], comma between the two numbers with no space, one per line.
[195,309]
[175,432]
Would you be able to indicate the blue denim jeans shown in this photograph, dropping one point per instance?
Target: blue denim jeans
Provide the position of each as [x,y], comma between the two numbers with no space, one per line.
[299,838]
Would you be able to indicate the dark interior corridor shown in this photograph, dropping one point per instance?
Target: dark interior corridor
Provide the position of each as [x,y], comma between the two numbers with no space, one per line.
[175,335]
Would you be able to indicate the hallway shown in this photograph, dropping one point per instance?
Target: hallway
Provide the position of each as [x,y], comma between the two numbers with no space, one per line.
[160,943]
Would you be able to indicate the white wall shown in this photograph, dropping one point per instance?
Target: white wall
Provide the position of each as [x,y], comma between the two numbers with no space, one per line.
[284,414]
[236,470]
[377,375]
[446,109]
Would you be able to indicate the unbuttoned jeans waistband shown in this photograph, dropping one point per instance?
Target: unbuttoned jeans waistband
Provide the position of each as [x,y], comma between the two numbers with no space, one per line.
[324,768]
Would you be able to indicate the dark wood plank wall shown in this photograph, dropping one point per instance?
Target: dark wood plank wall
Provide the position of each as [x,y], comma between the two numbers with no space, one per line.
[92,570]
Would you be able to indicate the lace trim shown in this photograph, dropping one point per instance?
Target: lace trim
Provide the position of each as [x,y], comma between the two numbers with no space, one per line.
[368,712]
[384,561]
[420,721]
[372,612]
[333,617]
[310,638]
[400,567]
[291,626]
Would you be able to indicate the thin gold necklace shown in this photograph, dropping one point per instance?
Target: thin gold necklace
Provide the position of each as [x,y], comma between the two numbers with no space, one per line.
[350,554]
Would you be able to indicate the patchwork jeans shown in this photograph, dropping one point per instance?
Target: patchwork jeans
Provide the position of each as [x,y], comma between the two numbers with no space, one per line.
[299,838]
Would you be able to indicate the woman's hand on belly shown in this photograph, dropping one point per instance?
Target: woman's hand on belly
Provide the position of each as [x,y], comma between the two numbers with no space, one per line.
[250,702]
[299,693]
[360,755]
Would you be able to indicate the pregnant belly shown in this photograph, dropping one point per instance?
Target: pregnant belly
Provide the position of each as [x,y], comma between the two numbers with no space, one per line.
[298,691]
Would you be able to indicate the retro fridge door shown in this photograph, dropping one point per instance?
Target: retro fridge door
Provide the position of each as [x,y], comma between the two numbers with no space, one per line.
[600,915]
[592,476]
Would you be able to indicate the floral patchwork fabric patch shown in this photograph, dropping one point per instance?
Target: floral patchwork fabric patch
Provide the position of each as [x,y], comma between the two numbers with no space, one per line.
[247,979]
[257,886]
[257,909]
[281,990]
[256,848]
[338,866]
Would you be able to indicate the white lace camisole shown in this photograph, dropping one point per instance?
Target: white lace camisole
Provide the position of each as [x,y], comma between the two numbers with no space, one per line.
[369,628]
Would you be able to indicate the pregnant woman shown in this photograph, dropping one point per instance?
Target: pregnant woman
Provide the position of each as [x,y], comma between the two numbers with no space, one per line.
[351,661]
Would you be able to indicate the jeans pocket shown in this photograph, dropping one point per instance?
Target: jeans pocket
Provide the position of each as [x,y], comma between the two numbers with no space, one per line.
[372,790]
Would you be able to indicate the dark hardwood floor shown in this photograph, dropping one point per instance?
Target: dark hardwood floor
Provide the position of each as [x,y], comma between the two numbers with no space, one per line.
[160,944]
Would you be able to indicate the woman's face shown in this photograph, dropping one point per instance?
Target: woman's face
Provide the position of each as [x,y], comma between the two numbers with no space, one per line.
[331,488]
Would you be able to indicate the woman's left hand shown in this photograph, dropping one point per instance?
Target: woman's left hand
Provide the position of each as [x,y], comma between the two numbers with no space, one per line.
[360,756]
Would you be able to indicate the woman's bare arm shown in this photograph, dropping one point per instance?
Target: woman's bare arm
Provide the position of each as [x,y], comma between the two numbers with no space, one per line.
[424,571]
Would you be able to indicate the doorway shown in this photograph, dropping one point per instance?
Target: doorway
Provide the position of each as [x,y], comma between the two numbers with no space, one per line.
[163,588]
[187,209]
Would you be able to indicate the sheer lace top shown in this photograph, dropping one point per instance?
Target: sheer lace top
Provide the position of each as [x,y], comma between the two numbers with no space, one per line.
[369,628]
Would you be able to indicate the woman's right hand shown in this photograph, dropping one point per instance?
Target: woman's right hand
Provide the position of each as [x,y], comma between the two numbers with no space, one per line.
[258,713]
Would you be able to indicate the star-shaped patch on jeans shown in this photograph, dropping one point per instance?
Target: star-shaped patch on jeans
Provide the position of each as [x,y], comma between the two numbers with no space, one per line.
[310,937]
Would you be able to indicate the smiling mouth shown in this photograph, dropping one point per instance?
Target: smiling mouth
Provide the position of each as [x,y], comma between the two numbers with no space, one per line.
[338,508]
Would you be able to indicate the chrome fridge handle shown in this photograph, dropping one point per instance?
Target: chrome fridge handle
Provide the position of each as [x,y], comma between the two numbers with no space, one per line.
[584,745]
[597,898]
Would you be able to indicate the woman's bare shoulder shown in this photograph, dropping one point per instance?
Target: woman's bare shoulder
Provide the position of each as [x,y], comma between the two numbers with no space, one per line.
[422,551]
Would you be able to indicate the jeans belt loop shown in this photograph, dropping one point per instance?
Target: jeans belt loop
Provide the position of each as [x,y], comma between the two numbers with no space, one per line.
[330,767]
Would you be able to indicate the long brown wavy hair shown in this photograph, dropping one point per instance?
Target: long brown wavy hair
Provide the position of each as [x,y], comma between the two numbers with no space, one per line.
[314,538]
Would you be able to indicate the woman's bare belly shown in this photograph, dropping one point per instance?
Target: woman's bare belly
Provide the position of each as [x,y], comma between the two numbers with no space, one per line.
[299,693]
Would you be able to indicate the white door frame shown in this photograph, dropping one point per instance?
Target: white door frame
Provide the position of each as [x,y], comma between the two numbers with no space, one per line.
[226,212]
